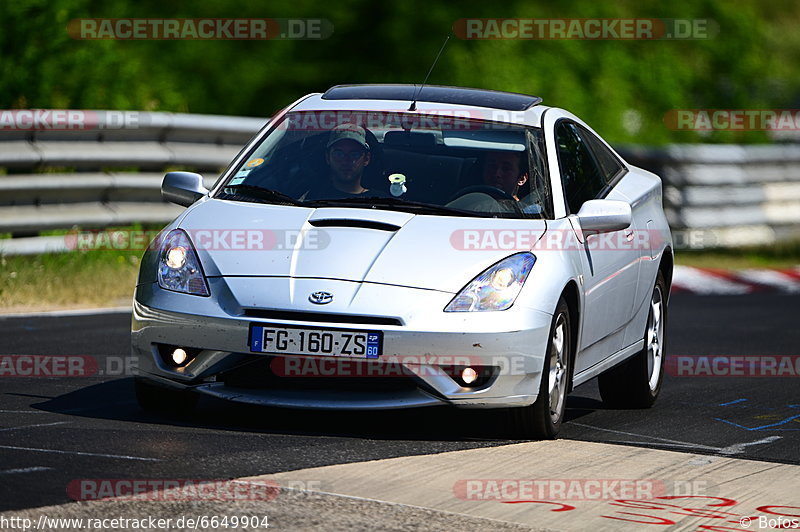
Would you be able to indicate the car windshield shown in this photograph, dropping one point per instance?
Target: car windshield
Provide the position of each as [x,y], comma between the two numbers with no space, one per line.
[426,164]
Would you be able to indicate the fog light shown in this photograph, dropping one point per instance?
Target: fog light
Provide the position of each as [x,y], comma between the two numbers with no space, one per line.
[179,356]
[469,375]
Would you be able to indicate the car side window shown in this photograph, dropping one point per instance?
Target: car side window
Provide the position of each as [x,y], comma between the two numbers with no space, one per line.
[581,176]
[608,162]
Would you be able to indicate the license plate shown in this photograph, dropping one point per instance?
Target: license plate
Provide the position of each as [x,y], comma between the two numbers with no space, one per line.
[266,338]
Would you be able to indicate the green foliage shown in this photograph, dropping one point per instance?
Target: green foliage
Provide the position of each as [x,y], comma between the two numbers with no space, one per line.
[784,254]
[614,85]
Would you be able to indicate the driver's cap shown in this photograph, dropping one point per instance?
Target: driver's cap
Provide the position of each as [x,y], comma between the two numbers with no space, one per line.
[348,132]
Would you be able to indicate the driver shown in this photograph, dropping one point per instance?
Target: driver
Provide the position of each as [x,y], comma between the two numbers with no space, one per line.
[347,154]
[503,170]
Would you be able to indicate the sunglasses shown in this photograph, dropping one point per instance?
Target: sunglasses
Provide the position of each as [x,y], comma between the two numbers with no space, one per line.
[352,155]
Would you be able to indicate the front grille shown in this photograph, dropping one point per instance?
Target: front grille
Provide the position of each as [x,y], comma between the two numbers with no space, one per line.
[259,375]
[320,317]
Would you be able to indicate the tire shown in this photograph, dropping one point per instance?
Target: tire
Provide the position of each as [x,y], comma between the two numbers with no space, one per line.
[636,383]
[157,399]
[542,420]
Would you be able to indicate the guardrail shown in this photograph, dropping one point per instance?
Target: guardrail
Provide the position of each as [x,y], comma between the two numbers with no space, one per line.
[101,177]
[723,195]
[714,195]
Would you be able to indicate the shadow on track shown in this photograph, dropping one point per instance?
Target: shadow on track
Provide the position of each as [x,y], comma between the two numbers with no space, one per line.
[115,400]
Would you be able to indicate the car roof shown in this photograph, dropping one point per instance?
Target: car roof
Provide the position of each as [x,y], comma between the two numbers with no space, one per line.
[481,104]
[510,101]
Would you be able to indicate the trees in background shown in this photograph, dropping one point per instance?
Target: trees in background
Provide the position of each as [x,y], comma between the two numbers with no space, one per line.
[622,88]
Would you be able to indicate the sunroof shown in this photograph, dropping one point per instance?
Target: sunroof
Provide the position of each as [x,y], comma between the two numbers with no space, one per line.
[510,101]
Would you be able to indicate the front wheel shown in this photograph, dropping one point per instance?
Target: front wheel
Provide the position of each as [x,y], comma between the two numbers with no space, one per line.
[542,419]
[637,382]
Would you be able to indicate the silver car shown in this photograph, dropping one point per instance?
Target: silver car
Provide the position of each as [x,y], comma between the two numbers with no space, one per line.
[391,246]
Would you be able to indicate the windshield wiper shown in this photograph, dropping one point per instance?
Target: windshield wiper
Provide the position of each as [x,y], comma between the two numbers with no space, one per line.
[260,193]
[398,203]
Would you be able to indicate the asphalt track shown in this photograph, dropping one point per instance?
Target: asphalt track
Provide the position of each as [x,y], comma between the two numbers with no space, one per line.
[54,430]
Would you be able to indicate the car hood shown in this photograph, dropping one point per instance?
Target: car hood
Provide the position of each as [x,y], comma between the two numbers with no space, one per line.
[363,245]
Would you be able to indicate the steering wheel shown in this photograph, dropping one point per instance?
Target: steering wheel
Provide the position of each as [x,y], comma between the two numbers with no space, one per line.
[494,192]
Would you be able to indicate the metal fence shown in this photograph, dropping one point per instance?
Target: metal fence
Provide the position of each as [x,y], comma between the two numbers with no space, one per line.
[100,177]
[715,195]
[724,195]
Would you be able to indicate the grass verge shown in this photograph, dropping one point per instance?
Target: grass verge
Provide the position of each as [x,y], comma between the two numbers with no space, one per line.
[67,280]
[781,255]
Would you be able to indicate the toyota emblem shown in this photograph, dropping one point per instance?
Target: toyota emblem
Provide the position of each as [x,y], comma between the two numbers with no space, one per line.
[321,298]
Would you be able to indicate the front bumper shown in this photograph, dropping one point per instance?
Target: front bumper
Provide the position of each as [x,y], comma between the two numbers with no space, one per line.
[412,372]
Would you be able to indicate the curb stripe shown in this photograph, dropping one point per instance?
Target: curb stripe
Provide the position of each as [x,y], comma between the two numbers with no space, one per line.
[713,281]
[697,281]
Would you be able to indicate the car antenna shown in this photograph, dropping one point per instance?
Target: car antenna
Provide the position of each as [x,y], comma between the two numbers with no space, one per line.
[413,106]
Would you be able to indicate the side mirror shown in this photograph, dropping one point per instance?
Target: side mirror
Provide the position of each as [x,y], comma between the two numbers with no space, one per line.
[183,188]
[604,216]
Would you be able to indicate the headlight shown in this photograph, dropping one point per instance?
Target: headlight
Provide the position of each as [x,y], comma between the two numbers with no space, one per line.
[179,268]
[495,289]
